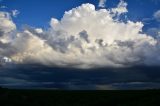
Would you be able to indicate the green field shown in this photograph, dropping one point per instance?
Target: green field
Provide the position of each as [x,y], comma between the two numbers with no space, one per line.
[10,97]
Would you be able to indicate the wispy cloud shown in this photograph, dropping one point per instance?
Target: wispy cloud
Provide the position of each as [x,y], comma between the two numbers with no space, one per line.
[15,13]
[157,15]
[3,7]
[102,3]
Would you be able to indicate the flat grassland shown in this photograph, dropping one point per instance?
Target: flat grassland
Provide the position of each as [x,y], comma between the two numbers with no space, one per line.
[12,97]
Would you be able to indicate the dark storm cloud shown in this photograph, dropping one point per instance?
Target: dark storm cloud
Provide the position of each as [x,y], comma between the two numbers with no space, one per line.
[35,76]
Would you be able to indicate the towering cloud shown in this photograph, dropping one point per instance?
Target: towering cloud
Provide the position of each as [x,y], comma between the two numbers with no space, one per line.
[6,26]
[83,38]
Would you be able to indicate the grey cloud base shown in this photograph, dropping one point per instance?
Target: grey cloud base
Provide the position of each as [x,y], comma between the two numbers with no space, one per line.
[40,77]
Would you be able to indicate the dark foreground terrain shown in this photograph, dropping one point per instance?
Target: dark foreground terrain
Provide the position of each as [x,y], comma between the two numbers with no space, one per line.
[10,97]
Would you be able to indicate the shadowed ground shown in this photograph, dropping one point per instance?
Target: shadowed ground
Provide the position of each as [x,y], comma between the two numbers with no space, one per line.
[10,97]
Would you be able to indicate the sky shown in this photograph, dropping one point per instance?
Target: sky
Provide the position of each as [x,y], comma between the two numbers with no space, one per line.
[38,13]
[80,44]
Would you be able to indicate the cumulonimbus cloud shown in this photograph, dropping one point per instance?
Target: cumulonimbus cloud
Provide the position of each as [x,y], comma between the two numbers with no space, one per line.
[83,38]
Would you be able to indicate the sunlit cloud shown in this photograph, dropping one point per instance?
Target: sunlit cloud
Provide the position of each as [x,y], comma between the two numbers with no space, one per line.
[83,38]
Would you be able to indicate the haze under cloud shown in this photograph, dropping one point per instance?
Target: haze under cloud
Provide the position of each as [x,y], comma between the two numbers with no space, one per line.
[84,38]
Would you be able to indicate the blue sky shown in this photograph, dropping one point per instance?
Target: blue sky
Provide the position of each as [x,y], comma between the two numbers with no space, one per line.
[38,13]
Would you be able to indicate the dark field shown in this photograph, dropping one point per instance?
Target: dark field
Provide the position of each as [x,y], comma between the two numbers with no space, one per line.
[79,98]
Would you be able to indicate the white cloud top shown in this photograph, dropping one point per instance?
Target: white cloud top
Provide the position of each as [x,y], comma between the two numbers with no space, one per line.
[83,38]
[6,24]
